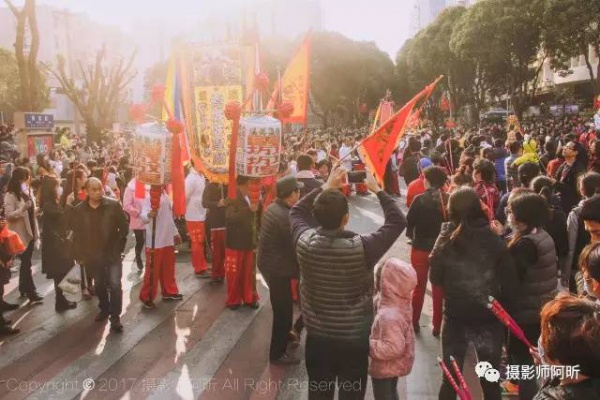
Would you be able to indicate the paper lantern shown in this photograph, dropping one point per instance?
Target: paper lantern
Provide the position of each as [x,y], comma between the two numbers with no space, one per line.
[233,110]
[152,154]
[259,146]
[137,112]
[175,126]
[261,82]
[285,109]
[158,93]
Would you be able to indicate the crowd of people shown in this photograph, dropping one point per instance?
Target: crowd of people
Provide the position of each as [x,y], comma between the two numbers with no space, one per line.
[514,215]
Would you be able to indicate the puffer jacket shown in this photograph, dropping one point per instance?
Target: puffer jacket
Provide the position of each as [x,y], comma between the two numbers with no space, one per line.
[473,266]
[392,342]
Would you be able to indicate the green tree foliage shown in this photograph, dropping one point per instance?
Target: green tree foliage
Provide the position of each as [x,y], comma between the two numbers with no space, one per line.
[571,27]
[428,55]
[344,74]
[503,39]
[10,87]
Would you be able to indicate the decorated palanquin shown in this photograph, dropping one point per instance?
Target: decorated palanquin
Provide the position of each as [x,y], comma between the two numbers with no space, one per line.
[212,75]
[259,146]
[152,154]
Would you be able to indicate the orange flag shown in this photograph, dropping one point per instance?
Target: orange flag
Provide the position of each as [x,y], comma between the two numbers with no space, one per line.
[295,84]
[377,149]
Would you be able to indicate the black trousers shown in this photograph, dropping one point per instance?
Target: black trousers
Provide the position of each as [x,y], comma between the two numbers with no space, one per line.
[332,363]
[519,355]
[385,389]
[140,240]
[280,292]
[26,285]
[487,339]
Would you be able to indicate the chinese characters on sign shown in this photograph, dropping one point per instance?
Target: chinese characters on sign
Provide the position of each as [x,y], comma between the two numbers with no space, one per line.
[259,146]
[152,154]
[39,121]
[215,79]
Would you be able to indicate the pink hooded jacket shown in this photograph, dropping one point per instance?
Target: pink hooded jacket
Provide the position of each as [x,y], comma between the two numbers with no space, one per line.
[133,206]
[392,342]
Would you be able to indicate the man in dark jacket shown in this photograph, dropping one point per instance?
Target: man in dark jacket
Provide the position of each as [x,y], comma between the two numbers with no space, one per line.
[213,199]
[337,285]
[567,175]
[99,227]
[278,265]
[240,274]
[306,176]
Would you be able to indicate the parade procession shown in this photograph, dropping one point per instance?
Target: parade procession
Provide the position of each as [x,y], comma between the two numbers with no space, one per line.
[300,199]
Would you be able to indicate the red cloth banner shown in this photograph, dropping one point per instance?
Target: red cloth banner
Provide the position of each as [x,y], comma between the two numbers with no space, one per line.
[377,149]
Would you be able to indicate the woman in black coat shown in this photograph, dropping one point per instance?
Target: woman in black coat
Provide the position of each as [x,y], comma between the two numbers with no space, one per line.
[56,257]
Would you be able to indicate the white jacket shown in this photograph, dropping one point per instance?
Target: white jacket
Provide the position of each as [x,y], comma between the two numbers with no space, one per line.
[165,225]
[194,188]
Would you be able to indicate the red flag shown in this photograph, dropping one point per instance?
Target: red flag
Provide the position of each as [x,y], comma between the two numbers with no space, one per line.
[378,148]
[177,177]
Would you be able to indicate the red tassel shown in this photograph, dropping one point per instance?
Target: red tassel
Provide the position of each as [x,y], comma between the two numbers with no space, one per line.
[140,190]
[177,177]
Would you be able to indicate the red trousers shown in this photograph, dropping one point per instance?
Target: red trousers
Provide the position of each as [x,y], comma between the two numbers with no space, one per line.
[197,236]
[217,248]
[163,273]
[420,262]
[240,277]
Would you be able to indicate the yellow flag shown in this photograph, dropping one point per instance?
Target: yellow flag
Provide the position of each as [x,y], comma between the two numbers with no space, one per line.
[295,83]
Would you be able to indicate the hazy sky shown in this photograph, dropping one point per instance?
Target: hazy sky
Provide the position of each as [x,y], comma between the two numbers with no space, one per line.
[386,22]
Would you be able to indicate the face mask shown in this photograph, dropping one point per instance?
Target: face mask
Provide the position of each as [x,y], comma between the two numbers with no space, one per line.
[24,188]
[59,191]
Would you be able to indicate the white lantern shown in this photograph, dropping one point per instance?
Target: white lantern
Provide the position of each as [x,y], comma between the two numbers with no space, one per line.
[152,154]
[259,146]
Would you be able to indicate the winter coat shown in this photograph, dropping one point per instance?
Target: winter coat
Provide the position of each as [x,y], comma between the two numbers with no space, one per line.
[392,341]
[239,228]
[473,266]
[588,389]
[21,221]
[276,254]
[56,246]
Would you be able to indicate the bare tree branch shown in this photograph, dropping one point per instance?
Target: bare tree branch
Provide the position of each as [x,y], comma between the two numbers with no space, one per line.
[12,8]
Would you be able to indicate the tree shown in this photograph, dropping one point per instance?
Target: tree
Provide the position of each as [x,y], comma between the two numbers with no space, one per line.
[428,55]
[570,28]
[346,73]
[503,40]
[101,92]
[10,87]
[34,94]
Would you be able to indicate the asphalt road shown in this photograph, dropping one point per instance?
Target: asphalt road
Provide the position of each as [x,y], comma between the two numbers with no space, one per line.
[193,349]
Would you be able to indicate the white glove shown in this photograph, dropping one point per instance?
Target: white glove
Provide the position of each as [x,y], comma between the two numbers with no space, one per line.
[38,244]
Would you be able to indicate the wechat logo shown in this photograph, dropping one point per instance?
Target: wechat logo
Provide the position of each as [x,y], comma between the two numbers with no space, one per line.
[484,369]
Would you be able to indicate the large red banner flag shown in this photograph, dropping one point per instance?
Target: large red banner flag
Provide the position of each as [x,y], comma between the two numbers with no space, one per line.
[377,149]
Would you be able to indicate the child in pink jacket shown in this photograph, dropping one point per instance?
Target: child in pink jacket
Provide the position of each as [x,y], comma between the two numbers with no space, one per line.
[392,342]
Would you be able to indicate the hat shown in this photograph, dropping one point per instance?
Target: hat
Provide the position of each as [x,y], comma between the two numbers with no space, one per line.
[425,163]
[287,185]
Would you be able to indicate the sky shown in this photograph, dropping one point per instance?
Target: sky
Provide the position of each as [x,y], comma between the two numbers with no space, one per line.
[386,22]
